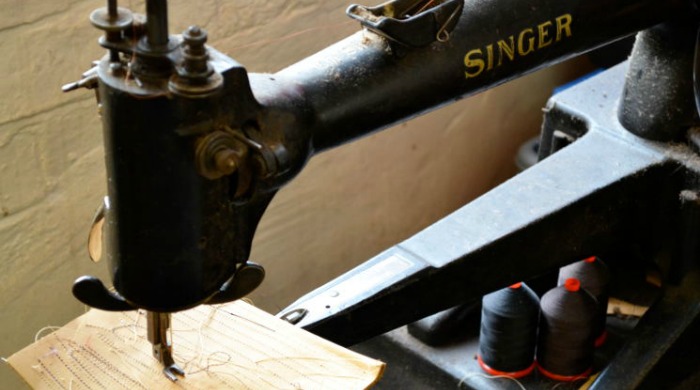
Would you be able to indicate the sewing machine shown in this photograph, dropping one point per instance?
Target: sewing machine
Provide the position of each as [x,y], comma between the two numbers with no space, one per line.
[196,148]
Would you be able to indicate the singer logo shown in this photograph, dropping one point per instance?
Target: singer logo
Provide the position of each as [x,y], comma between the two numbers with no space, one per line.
[525,42]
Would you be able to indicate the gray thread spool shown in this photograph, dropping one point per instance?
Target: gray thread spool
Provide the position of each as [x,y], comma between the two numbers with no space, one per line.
[566,337]
[595,278]
[508,336]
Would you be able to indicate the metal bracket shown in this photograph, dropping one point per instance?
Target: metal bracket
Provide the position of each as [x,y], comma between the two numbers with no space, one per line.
[414,23]
[158,335]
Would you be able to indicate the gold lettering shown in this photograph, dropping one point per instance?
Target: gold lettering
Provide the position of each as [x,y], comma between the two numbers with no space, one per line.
[508,50]
[489,57]
[531,42]
[563,25]
[473,60]
[517,45]
[544,34]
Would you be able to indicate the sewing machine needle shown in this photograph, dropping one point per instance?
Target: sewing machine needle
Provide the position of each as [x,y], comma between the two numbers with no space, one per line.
[159,336]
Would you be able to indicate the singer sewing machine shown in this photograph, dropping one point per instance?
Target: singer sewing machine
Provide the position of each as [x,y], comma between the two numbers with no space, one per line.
[196,148]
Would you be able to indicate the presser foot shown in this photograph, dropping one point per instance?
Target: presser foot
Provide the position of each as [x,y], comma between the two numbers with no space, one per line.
[159,336]
[173,371]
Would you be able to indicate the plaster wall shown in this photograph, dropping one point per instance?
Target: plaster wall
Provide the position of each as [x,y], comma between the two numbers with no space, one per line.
[346,206]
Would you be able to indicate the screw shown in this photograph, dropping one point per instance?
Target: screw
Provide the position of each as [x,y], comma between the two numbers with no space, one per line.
[225,161]
[116,68]
[195,53]
[194,31]
[194,39]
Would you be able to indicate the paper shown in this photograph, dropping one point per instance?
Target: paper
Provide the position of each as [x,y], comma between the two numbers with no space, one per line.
[232,346]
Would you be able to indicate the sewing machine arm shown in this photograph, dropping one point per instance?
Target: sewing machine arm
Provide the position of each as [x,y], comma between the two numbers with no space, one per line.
[591,196]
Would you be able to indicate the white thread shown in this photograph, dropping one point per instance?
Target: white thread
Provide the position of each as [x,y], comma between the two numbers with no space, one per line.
[200,336]
[134,327]
[205,368]
[38,334]
[480,375]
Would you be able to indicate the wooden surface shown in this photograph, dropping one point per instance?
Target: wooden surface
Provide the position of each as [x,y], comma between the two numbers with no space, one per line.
[227,346]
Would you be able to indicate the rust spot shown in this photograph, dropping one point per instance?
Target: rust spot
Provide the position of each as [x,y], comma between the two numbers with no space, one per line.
[202,243]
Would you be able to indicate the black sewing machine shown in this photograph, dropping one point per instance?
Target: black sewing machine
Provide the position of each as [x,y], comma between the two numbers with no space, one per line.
[196,147]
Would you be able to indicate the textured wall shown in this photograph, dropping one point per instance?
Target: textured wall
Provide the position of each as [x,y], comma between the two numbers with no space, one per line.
[345,207]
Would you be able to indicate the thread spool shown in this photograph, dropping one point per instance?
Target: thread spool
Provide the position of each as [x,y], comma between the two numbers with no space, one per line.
[595,278]
[508,336]
[566,337]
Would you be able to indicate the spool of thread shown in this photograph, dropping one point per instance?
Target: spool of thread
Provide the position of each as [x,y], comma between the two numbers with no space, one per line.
[567,332]
[508,336]
[595,278]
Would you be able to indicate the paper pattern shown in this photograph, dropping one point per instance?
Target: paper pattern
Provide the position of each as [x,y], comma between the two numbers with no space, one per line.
[233,346]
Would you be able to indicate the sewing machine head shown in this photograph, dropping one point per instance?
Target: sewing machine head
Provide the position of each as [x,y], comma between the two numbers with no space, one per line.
[189,170]
[182,155]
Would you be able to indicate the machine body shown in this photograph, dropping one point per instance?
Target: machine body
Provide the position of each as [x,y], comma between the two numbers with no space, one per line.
[196,149]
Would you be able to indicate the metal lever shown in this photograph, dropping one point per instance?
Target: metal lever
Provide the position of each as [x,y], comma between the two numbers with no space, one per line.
[414,23]
[158,335]
[88,81]
[92,292]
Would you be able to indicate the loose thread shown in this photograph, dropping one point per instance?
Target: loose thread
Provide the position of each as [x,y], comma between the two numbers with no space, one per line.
[578,379]
[209,364]
[200,335]
[38,334]
[134,328]
[131,328]
[480,375]
[252,322]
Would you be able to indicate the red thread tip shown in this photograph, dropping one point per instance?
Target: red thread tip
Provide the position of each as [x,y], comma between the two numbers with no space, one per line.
[572,284]
[590,259]
[601,339]
[516,285]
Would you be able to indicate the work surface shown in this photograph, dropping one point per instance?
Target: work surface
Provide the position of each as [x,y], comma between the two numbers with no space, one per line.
[227,346]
